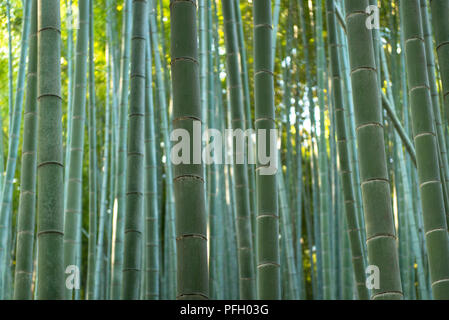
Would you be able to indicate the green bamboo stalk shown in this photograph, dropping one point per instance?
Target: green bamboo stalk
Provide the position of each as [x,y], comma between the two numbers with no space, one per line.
[69,62]
[402,222]
[325,218]
[93,170]
[422,283]
[346,171]
[435,100]
[215,207]
[347,272]
[113,154]
[401,174]
[299,199]
[191,231]
[287,79]
[161,26]
[70,89]
[72,223]
[151,208]
[109,192]
[380,232]
[376,44]
[244,238]
[26,215]
[351,138]
[234,270]
[203,57]
[440,16]
[134,178]
[247,103]
[99,250]
[268,275]
[416,195]
[121,163]
[216,120]
[10,68]
[310,237]
[244,73]
[164,127]
[426,150]
[275,18]
[287,238]
[49,157]
[16,119]
[315,178]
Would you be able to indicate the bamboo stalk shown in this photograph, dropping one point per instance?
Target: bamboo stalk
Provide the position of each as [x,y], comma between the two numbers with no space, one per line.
[26,216]
[72,222]
[132,253]
[152,271]
[244,238]
[426,150]
[191,231]
[49,157]
[268,275]
[121,163]
[14,134]
[346,171]
[380,231]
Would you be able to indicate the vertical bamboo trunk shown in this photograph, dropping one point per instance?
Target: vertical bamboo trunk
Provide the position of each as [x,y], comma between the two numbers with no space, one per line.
[121,163]
[247,103]
[440,16]
[26,216]
[70,88]
[164,127]
[299,200]
[215,206]
[380,231]
[216,120]
[267,230]
[244,238]
[325,217]
[315,177]
[287,239]
[100,239]
[114,68]
[408,202]
[275,27]
[345,167]
[430,56]
[203,56]
[73,210]
[191,225]
[93,170]
[351,137]
[10,65]
[151,191]
[49,158]
[426,150]
[14,134]
[134,178]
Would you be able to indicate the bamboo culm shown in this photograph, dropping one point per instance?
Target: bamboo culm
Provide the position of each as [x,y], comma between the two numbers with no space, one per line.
[27,211]
[380,231]
[267,227]
[50,169]
[426,150]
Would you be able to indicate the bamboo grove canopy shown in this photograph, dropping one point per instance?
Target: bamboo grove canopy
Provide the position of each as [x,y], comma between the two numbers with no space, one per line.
[224,149]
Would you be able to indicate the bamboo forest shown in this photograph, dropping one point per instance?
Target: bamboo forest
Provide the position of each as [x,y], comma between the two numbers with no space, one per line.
[224,150]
